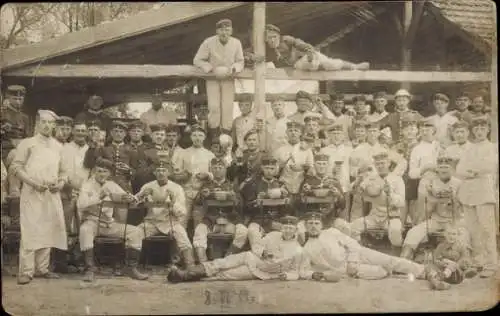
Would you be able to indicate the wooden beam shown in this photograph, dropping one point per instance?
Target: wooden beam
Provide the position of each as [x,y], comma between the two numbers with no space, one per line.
[494,95]
[415,22]
[187,71]
[406,49]
[259,44]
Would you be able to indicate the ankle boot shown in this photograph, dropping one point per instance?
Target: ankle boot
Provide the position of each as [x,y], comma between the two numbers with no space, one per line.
[88,256]
[407,252]
[60,260]
[201,253]
[132,261]
[194,273]
[188,257]
[232,250]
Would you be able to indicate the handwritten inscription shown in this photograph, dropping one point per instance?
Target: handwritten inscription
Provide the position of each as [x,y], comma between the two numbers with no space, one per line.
[228,297]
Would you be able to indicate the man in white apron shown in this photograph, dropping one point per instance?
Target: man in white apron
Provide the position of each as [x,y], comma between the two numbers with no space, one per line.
[37,164]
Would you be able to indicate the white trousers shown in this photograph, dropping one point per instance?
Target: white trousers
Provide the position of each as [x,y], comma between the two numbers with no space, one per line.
[239,231]
[418,233]
[31,261]
[179,232]
[88,231]
[395,264]
[319,60]
[338,223]
[220,98]
[393,227]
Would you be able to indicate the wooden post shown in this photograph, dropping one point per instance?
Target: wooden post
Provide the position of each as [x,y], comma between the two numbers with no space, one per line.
[406,47]
[259,25]
[494,94]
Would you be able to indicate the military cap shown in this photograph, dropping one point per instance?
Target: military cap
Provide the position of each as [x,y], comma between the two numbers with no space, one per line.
[47,115]
[444,160]
[313,216]
[171,128]
[308,137]
[136,124]
[64,121]
[217,161]
[441,96]
[224,23]
[335,128]
[294,124]
[104,163]
[312,116]
[119,124]
[268,160]
[273,28]
[480,121]
[162,164]
[402,93]
[337,97]
[359,98]
[372,125]
[96,123]
[250,133]
[463,95]
[382,155]
[301,94]
[380,95]
[321,157]
[460,124]
[289,220]
[157,127]
[409,119]
[16,90]
[426,122]
[197,128]
[245,97]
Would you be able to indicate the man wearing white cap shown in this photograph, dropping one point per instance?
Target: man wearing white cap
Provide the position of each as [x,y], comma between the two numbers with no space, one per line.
[37,164]
[222,55]
[394,119]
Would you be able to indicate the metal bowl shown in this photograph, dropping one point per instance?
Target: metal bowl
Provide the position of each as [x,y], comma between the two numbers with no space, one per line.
[320,192]
[274,193]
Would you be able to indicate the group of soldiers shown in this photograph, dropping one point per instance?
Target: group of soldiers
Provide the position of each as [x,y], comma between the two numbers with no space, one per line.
[431,174]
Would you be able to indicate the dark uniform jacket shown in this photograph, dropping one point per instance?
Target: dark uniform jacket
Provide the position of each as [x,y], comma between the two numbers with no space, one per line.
[100,116]
[394,121]
[147,162]
[138,181]
[312,182]
[411,185]
[20,127]
[213,185]
[249,168]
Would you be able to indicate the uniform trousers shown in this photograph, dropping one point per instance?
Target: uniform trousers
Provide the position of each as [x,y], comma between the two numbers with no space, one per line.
[148,229]
[256,232]
[239,231]
[338,223]
[89,230]
[420,211]
[481,225]
[233,267]
[220,99]
[31,261]
[393,227]
[418,233]
[318,60]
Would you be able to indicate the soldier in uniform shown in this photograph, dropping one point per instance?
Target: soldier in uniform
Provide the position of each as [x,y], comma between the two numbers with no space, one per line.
[122,155]
[386,193]
[332,255]
[462,104]
[478,169]
[312,126]
[379,104]
[276,125]
[248,164]
[62,131]
[402,99]
[152,155]
[243,123]
[16,125]
[321,179]
[339,118]
[278,257]
[172,145]
[212,221]
[167,216]
[461,143]
[443,120]
[136,134]
[94,191]
[305,104]
[158,114]
[255,189]
[442,207]
[93,111]
[222,55]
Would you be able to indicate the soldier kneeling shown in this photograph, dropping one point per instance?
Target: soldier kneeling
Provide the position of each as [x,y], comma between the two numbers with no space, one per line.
[96,222]
[213,222]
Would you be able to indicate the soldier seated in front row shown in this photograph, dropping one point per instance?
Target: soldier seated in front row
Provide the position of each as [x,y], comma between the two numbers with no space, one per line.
[92,193]
[253,192]
[167,211]
[152,155]
[216,219]
[386,193]
[278,256]
[322,185]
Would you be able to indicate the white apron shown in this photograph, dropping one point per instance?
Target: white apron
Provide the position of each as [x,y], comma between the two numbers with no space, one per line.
[41,214]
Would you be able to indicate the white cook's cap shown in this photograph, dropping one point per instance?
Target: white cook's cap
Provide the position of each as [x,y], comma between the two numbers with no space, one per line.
[47,115]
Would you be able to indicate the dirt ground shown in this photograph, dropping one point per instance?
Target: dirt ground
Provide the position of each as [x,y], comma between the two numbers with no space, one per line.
[123,296]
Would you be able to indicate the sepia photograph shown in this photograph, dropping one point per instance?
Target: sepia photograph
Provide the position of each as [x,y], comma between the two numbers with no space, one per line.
[172,158]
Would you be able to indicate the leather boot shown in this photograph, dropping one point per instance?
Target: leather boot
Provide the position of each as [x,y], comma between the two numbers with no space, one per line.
[133,256]
[407,252]
[88,256]
[201,253]
[60,260]
[232,250]
[437,284]
[188,257]
[193,273]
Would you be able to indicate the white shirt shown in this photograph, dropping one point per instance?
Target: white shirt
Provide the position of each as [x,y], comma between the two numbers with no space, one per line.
[90,197]
[423,154]
[196,160]
[290,155]
[376,116]
[443,125]
[241,126]
[276,131]
[72,156]
[212,53]
[341,152]
[457,151]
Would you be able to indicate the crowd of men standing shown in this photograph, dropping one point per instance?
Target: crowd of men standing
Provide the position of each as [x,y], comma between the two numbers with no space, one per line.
[383,171]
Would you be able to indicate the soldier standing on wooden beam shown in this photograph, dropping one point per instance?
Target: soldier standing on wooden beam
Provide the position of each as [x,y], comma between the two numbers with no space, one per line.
[221,55]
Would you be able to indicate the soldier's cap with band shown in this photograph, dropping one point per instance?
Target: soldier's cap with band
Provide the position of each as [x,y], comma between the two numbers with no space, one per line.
[409,118]
[95,123]
[313,216]
[294,125]
[301,94]
[427,122]
[104,163]
[441,96]
[197,128]
[245,97]
[380,95]
[463,95]
[336,97]
[382,155]
[251,132]
[308,137]
[359,98]
[171,128]
[64,121]
[444,160]
[312,116]
[289,220]
[268,160]
[480,121]
[224,23]
[217,161]
[136,124]
[118,124]
[402,93]
[335,128]
[162,164]
[321,157]
[47,115]
[460,124]
[16,90]
[157,127]
[273,28]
